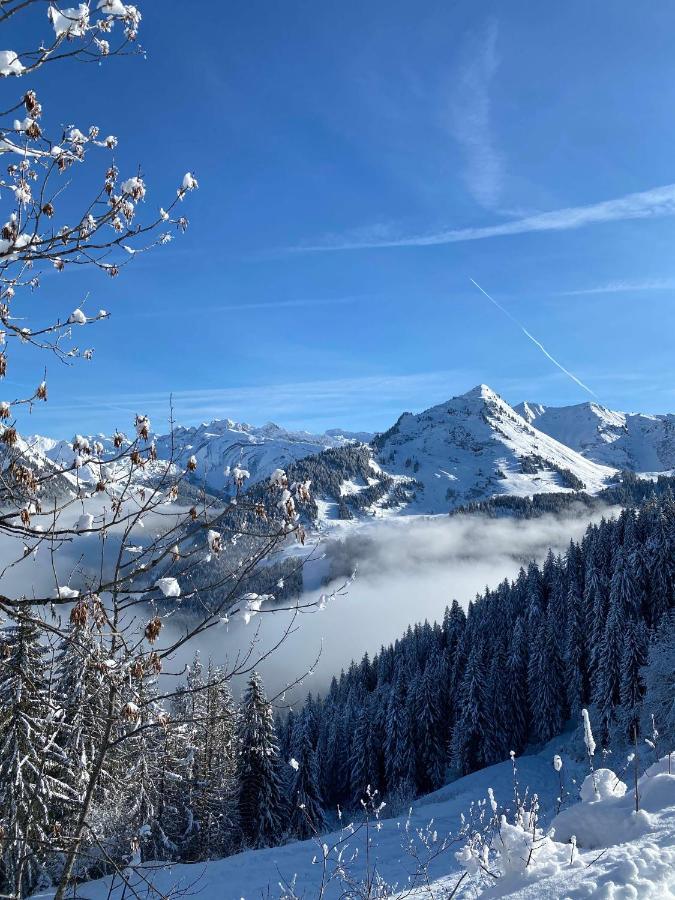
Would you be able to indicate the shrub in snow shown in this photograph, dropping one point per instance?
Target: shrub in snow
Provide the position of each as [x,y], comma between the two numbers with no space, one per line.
[656,791]
[601,785]
[516,853]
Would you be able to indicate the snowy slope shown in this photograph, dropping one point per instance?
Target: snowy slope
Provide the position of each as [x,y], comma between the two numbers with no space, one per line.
[633,441]
[618,854]
[475,446]
[250,875]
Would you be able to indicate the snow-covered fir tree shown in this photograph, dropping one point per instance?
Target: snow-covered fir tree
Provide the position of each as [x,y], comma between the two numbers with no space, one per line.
[261,803]
[307,816]
[36,775]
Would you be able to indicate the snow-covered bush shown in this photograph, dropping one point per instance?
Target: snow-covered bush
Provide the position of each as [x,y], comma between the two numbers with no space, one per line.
[515,851]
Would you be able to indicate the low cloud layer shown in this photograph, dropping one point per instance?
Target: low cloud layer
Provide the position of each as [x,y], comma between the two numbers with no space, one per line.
[409,571]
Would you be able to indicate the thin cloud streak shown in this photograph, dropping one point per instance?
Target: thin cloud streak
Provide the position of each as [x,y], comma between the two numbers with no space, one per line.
[263,304]
[655,203]
[623,287]
[470,119]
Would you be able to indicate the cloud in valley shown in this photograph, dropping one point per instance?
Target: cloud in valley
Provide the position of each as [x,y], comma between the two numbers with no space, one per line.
[409,571]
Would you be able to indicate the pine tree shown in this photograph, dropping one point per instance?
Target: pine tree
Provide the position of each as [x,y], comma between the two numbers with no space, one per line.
[307,813]
[260,797]
[498,724]
[216,790]
[516,689]
[632,687]
[661,567]
[363,762]
[547,690]
[608,693]
[659,680]
[575,654]
[468,751]
[430,738]
[35,776]
[141,798]
[81,691]
[399,746]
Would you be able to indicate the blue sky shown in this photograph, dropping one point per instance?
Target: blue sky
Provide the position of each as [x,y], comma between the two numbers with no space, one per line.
[359,164]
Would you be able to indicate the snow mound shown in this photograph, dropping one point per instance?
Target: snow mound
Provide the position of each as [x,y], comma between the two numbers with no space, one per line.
[601,785]
[600,847]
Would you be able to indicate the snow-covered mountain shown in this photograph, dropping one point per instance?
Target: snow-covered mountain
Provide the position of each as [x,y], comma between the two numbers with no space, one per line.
[475,446]
[633,441]
[217,445]
[470,448]
[260,451]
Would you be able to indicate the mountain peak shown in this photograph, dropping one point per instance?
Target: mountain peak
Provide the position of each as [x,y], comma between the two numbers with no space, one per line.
[481,392]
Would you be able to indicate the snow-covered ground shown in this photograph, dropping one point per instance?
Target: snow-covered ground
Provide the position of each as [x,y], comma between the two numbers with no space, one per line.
[617,853]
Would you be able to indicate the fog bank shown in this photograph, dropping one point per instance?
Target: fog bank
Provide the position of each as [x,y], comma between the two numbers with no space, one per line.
[408,571]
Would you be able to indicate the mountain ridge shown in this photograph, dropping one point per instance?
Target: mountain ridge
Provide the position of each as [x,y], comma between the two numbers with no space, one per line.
[468,448]
[638,442]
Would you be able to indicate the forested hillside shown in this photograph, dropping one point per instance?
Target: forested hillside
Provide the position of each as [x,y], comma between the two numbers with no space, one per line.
[591,628]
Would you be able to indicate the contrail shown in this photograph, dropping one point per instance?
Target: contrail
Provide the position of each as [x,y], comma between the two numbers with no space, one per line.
[535,341]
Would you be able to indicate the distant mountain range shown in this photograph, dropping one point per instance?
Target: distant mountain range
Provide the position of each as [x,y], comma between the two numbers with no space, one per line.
[469,448]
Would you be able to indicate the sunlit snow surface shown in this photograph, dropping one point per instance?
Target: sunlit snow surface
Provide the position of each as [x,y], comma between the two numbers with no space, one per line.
[619,854]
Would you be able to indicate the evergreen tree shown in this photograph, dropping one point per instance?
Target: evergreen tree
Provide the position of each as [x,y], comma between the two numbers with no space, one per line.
[468,750]
[516,689]
[363,763]
[430,737]
[260,798]
[608,690]
[399,746]
[35,776]
[307,813]
[576,663]
[660,567]
[499,714]
[632,687]
[659,680]
[547,689]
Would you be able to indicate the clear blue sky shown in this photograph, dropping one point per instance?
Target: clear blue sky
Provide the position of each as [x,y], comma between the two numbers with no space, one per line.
[358,163]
